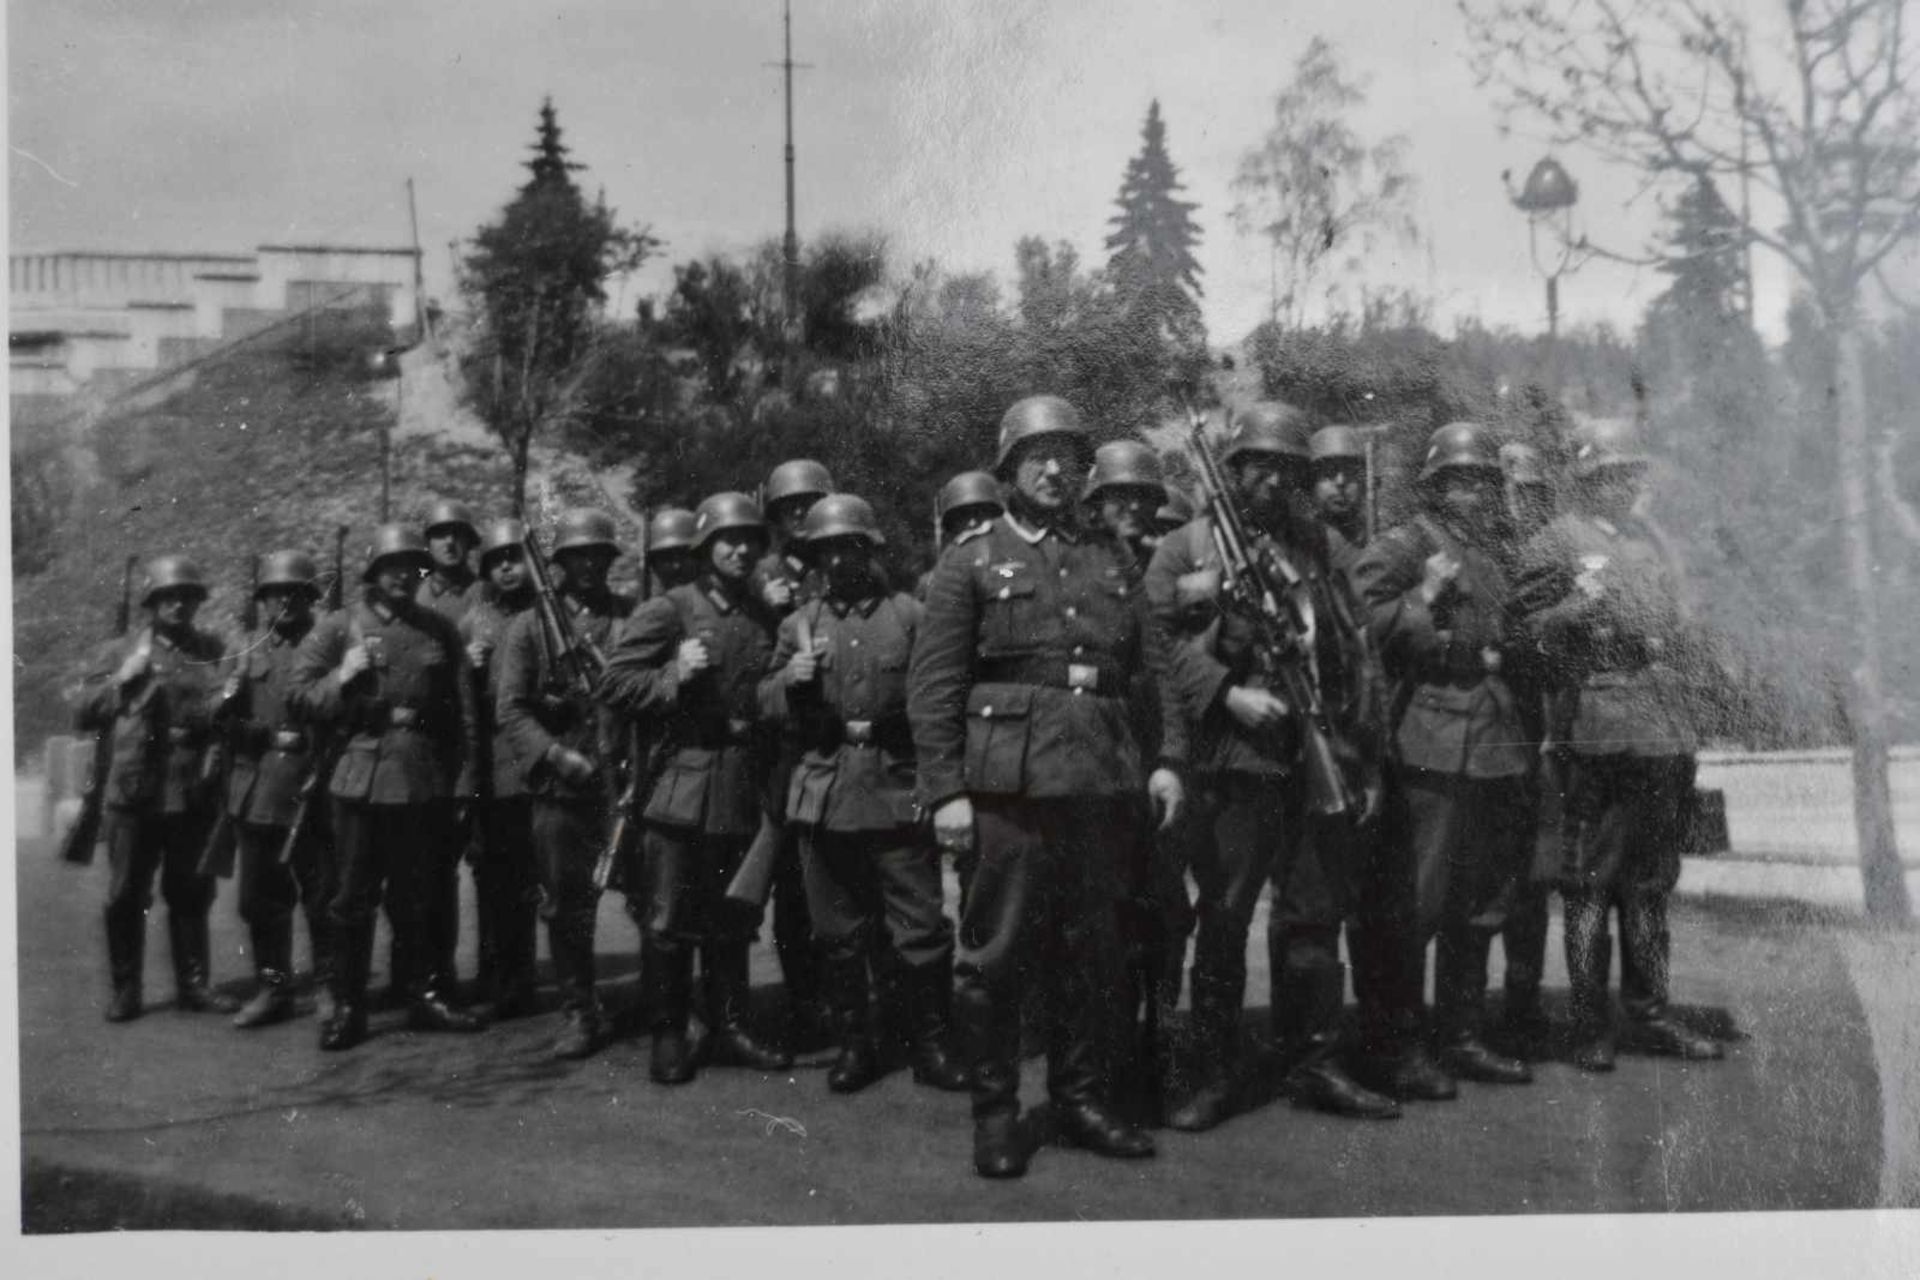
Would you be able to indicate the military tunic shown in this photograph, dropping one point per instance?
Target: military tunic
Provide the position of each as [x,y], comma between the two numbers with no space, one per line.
[1022,699]
[1256,826]
[793,938]
[1460,826]
[158,801]
[1604,602]
[868,864]
[411,728]
[539,713]
[705,803]
[274,752]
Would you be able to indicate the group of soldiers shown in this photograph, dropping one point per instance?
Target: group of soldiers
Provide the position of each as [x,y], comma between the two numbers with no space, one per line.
[1122,720]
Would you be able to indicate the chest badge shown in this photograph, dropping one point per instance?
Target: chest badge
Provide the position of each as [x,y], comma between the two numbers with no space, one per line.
[1006,568]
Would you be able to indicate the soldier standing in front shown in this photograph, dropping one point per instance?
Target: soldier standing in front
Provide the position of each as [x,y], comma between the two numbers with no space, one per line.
[1460,824]
[1604,601]
[273,755]
[1256,821]
[1021,700]
[391,675]
[689,664]
[566,748]
[839,679]
[154,698]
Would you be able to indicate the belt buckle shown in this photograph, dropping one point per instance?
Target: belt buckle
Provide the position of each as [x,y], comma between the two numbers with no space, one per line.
[1082,677]
[289,740]
[403,717]
[859,732]
[738,729]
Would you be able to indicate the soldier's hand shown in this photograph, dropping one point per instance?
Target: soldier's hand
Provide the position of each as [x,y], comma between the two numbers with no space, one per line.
[1197,588]
[1373,802]
[572,767]
[778,593]
[953,825]
[136,665]
[1255,708]
[478,651]
[355,660]
[230,690]
[1168,795]
[805,664]
[692,659]
[1442,568]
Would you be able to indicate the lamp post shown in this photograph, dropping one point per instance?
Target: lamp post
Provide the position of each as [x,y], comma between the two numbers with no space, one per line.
[1549,191]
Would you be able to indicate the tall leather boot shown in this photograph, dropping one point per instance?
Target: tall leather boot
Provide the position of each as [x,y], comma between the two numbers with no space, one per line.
[1589,960]
[1080,1048]
[1309,1003]
[273,968]
[570,939]
[1460,981]
[667,972]
[320,957]
[1216,1036]
[1524,941]
[990,1027]
[1644,957]
[126,957]
[929,996]
[430,1002]
[191,958]
[1394,1057]
[846,972]
[727,993]
[352,961]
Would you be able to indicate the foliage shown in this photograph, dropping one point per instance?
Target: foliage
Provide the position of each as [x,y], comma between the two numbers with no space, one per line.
[537,277]
[1150,251]
[1321,195]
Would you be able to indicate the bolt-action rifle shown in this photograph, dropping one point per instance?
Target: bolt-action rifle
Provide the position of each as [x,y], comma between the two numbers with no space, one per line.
[323,764]
[77,845]
[626,806]
[1261,585]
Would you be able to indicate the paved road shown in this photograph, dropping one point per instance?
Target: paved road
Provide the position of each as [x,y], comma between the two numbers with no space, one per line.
[420,1132]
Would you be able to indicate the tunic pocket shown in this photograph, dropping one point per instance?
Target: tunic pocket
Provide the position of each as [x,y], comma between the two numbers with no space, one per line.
[999,721]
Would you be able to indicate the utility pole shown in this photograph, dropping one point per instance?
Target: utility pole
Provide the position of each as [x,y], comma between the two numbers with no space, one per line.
[790,246]
[419,269]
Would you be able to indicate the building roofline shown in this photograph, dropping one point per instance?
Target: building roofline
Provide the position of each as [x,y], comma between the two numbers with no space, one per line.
[336,248]
[227,275]
[160,306]
[121,254]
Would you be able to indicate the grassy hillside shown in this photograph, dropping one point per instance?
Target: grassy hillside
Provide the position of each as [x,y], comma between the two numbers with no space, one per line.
[265,450]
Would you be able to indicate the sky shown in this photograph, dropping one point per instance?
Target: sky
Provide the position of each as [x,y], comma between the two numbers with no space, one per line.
[956,126]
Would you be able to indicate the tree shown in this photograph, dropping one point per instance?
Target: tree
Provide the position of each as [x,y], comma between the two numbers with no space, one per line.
[538,278]
[1150,250]
[1823,123]
[1314,189]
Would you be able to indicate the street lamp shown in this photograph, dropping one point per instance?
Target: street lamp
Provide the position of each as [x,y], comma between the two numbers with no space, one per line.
[1548,191]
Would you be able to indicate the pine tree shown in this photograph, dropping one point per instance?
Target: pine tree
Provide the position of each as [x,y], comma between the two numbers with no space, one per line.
[538,278]
[1151,262]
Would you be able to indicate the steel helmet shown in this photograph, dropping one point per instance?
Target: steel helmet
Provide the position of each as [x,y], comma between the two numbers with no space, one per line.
[1522,464]
[1462,446]
[1601,443]
[1125,463]
[288,569]
[723,511]
[671,529]
[1336,443]
[969,489]
[842,515]
[1032,418]
[1174,512]
[584,527]
[173,573]
[447,512]
[1267,426]
[502,535]
[802,477]
[395,540]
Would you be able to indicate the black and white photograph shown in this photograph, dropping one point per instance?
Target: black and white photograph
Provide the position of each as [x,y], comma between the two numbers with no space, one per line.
[1266,635]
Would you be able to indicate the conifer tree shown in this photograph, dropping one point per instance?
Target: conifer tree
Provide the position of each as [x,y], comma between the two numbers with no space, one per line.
[1151,263]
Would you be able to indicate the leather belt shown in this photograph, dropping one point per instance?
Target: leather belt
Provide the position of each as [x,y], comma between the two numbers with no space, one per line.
[179,736]
[1057,673]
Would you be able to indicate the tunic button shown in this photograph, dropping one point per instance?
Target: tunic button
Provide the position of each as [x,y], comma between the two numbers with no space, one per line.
[853,644]
[1004,593]
[1063,571]
[1071,613]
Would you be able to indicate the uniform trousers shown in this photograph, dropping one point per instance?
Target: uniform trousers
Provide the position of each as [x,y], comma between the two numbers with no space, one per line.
[270,889]
[390,853]
[567,838]
[1042,909]
[139,847]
